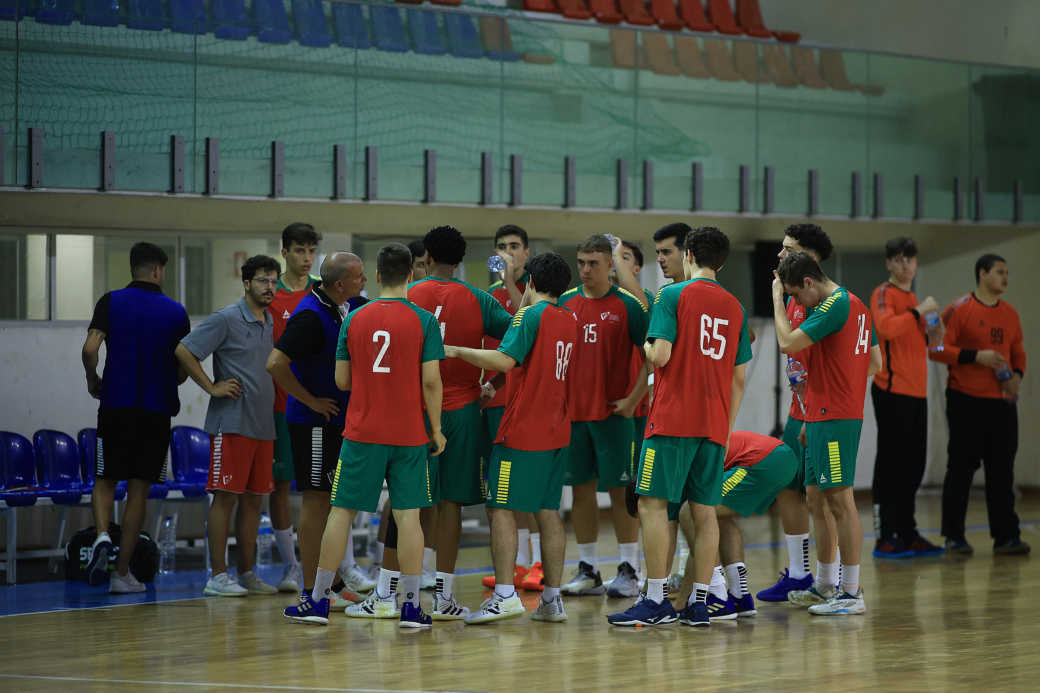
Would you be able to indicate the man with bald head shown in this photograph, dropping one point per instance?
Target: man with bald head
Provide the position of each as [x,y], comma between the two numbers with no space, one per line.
[303,362]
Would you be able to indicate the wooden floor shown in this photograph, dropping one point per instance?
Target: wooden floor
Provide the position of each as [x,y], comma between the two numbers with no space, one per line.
[941,624]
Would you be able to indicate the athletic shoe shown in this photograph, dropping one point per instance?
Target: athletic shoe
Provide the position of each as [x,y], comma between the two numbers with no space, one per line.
[447,609]
[1012,547]
[841,603]
[696,615]
[519,573]
[675,583]
[959,547]
[922,547]
[428,580]
[373,572]
[414,617]
[786,584]
[550,611]
[721,610]
[626,583]
[645,612]
[356,579]
[375,607]
[745,606]
[254,585]
[496,608]
[292,579]
[339,601]
[585,581]
[534,580]
[891,548]
[811,596]
[224,585]
[309,611]
[127,584]
[97,568]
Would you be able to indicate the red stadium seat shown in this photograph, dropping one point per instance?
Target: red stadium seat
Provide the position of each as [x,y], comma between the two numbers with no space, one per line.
[626,55]
[804,63]
[688,50]
[692,12]
[745,55]
[721,16]
[635,12]
[659,54]
[605,11]
[541,6]
[832,69]
[574,9]
[749,16]
[778,66]
[663,12]
[720,62]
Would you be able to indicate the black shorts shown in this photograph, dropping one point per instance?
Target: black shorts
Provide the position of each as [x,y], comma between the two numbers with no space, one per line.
[132,444]
[315,453]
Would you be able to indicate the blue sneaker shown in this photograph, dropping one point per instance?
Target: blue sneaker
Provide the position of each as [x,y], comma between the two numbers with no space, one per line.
[309,611]
[745,606]
[786,583]
[922,547]
[414,617]
[97,568]
[645,612]
[891,548]
[719,610]
[696,615]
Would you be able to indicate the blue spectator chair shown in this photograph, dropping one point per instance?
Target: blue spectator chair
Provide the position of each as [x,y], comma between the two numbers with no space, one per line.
[100,13]
[462,35]
[426,35]
[389,29]
[146,15]
[189,461]
[272,23]
[57,467]
[189,17]
[351,29]
[88,461]
[231,20]
[12,10]
[57,12]
[17,478]
[312,28]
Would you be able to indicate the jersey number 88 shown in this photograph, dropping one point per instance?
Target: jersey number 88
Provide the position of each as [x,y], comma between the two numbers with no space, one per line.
[563,359]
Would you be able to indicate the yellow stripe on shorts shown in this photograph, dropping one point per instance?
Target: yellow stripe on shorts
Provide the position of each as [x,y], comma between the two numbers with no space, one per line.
[731,483]
[502,493]
[335,480]
[429,495]
[835,454]
[647,470]
[632,460]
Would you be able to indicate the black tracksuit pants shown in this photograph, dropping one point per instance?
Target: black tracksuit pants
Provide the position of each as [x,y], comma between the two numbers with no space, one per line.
[902,440]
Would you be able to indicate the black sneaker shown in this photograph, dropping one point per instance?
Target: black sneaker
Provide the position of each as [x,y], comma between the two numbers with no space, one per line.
[959,547]
[922,547]
[1012,547]
[892,548]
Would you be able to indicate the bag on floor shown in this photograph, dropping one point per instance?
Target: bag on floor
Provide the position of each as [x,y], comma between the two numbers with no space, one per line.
[144,564]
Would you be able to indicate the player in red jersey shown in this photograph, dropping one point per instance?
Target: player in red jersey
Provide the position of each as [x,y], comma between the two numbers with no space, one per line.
[603,397]
[388,356]
[529,456]
[845,353]
[668,242]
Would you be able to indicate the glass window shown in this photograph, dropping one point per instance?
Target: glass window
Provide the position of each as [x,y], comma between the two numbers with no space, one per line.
[23,276]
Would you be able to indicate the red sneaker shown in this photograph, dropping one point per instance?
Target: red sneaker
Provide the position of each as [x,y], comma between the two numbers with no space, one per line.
[518,575]
[535,579]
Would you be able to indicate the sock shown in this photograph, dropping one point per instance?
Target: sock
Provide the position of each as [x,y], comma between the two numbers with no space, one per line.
[505,590]
[410,588]
[736,574]
[826,574]
[536,548]
[718,583]
[700,593]
[850,578]
[348,559]
[523,547]
[377,553]
[427,555]
[387,583]
[338,585]
[588,554]
[798,555]
[283,539]
[550,593]
[630,554]
[323,583]
[837,559]
[657,590]
[444,584]
[684,552]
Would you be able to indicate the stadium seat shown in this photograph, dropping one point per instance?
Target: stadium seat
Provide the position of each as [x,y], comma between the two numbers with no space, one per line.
[721,15]
[449,3]
[12,10]
[17,470]
[692,12]
[100,13]
[663,12]
[720,62]
[778,66]
[745,55]
[605,11]
[389,29]
[541,6]
[56,12]
[625,53]
[351,28]
[146,15]
[232,22]
[272,24]
[805,69]
[57,467]
[574,9]
[462,36]
[189,17]
[312,28]
[635,12]
[495,37]
[410,2]
[426,35]
[691,61]
[749,17]
[189,461]
[832,69]
[659,54]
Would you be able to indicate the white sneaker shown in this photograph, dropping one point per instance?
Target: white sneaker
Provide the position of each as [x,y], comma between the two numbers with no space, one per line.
[550,611]
[339,601]
[840,604]
[356,579]
[374,607]
[127,584]
[585,581]
[428,581]
[224,585]
[811,596]
[625,584]
[447,609]
[373,572]
[497,608]
[292,579]
[254,585]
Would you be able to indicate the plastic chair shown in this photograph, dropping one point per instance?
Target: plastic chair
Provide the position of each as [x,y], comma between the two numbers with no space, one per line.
[720,61]
[56,12]
[659,54]
[541,6]
[231,20]
[146,15]
[574,9]
[312,28]
[496,39]
[351,28]
[804,63]
[635,12]
[745,55]
[100,13]
[663,12]
[57,467]
[625,53]
[426,35]
[691,60]
[692,12]
[749,16]
[605,11]
[189,17]
[389,29]
[17,470]
[189,461]
[779,66]
[721,15]
[12,10]
[272,24]
[462,36]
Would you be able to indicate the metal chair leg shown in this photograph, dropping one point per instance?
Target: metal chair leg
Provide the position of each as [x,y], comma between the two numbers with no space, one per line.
[52,562]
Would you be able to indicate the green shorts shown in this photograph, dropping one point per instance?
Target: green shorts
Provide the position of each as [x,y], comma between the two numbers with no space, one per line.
[362,467]
[681,469]
[528,481]
[604,450]
[673,511]
[457,474]
[790,438]
[490,419]
[282,470]
[748,490]
[830,452]
[640,430]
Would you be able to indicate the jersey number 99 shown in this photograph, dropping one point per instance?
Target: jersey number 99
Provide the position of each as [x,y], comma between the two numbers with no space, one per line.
[710,330]
[563,359]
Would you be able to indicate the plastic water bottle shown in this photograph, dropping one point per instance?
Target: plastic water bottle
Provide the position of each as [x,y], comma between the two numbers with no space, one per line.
[496,264]
[796,376]
[931,321]
[264,538]
[167,546]
[1004,374]
[614,240]
[373,534]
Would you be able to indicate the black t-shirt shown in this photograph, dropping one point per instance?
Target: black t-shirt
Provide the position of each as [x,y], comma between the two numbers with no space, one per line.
[100,321]
[304,334]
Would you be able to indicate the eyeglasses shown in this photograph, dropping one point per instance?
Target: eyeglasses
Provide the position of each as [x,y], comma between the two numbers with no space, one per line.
[264,281]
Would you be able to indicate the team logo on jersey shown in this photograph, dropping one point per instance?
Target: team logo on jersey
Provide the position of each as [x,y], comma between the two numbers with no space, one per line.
[982,323]
[603,316]
[624,476]
[823,411]
[823,479]
[227,479]
[286,315]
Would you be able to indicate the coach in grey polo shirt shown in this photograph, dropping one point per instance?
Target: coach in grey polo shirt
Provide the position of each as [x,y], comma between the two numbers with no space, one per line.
[239,420]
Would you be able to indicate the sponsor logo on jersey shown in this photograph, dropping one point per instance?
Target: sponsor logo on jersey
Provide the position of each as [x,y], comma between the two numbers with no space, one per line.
[615,318]
[286,315]
[227,479]
[603,316]
[823,479]
[624,476]
[982,323]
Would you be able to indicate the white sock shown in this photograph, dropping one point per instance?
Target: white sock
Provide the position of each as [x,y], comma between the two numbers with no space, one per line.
[718,583]
[427,556]
[655,590]
[700,593]
[736,574]
[837,559]
[377,553]
[387,583]
[536,548]
[826,574]
[798,555]
[588,554]
[323,584]
[283,539]
[684,552]
[850,578]
[505,590]
[523,547]
[348,559]
[444,584]
[630,554]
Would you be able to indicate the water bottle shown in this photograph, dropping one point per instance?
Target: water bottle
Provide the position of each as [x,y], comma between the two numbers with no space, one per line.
[1004,374]
[614,240]
[167,546]
[931,321]
[264,538]
[496,264]
[373,534]
[796,376]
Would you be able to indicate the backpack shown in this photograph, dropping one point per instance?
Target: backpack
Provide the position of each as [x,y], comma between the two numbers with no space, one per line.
[144,564]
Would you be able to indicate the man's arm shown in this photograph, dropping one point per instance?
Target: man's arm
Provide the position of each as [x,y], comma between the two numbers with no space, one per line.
[278,366]
[875,360]
[790,340]
[343,376]
[433,392]
[891,324]
[225,388]
[91,349]
[507,281]
[736,393]
[488,359]
[659,352]
[626,280]
[626,407]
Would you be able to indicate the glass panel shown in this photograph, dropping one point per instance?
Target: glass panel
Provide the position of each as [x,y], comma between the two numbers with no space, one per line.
[212,272]
[23,276]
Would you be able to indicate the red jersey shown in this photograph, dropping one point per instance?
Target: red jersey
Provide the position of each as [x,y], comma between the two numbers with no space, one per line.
[710,338]
[466,314]
[904,346]
[499,293]
[608,329]
[638,359]
[281,310]
[796,314]
[386,342]
[541,338]
[747,449]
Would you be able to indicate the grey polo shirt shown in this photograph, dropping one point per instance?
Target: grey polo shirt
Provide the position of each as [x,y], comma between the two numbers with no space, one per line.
[240,345]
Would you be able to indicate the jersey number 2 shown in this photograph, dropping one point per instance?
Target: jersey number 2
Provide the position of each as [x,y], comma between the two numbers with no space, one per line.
[710,330]
[563,358]
[863,341]
[384,336]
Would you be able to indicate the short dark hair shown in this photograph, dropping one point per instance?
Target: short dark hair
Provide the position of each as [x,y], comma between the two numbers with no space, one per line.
[145,257]
[445,245]
[797,266]
[511,230]
[637,254]
[549,273]
[811,237]
[985,264]
[596,243]
[678,231]
[394,262]
[259,264]
[903,245]
[710,247]
[300,234]
[417,249]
